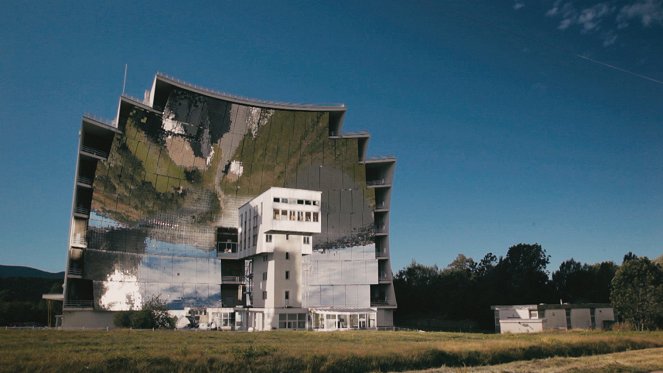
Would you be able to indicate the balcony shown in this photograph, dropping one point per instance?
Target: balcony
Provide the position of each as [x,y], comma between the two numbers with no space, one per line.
[79,304]
[384,277]
[75,271]
[94,151]
[79,241]
[84,181]
[381,253]
[378,182]
[377,302]
[380,206]
[380,229]
[232,279]
[227,250]
[81,210]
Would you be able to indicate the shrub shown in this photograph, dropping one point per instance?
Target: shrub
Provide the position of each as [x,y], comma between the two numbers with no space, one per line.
[154,314]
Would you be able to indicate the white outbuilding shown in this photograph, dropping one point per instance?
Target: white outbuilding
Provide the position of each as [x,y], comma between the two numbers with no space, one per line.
[532,318]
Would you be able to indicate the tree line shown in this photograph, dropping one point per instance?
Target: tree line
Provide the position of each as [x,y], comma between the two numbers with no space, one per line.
[459,296]
[21,303]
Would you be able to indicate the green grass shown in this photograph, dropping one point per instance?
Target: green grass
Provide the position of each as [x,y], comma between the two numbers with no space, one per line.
[280,351]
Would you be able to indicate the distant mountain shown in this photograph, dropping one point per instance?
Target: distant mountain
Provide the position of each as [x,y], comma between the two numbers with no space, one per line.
[20,271]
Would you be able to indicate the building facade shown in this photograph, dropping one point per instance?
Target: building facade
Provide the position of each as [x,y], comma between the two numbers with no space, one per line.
[539,317]
[162,208]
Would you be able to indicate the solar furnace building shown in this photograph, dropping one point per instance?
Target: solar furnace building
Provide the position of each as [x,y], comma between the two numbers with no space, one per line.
[156,213]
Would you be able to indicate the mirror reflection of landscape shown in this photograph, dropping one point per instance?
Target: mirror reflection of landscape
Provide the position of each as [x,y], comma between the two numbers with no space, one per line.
[173,180]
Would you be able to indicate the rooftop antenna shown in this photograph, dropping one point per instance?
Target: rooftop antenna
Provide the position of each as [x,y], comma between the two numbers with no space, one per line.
[124,82]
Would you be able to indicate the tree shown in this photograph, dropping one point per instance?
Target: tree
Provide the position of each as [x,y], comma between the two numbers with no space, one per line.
[637,292]
[576,282]
[462,263]
[153,315]
[414,285]
[524,276]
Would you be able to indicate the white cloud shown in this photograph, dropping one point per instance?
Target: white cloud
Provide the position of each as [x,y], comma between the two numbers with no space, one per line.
[648,12]
[518,4]
[609,38]
[590,18]
[605,18]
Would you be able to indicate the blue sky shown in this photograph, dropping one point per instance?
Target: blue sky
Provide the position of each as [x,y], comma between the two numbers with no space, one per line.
[512,121]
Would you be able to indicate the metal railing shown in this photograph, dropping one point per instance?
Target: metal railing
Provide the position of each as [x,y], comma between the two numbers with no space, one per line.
[94,151]
[82,210]
[84,180]
[107,122]
[380,205]
[134,99]
[78,304]
[384,276]
[379,302]
[75,271]
[375,182]
[387,157]
[79,240]
[380,228]
[380,253]
[355,133]
[226,247]
[232,279]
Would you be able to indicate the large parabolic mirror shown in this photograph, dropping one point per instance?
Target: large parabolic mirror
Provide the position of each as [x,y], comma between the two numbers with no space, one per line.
[178,173]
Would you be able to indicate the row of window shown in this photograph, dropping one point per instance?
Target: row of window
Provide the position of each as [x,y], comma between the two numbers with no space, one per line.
[306,239]
[286,295]
[296,215]
[292,321]
[265,257]
[287,276]
[294,201]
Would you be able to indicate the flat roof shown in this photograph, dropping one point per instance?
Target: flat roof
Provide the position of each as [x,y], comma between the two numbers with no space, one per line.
[553,306]
[56,296]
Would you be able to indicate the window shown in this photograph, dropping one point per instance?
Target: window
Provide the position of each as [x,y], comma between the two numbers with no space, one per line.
[264,258]
[277,199]
[268,238]
[307,216]
[276,214]
[287,276]
[264,276]
[292,321]
[264,295]
[284,214]
[300,201]
[307,202]
[292,215]
[307,240]
[287,255]
[287,295]
[284,200]
[315,217]
[316,203]
[300,216]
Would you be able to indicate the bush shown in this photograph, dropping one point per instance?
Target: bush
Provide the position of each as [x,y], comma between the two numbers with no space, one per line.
[153,315]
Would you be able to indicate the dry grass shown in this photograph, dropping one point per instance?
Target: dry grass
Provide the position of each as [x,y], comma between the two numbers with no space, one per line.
[647,360]
[280,351]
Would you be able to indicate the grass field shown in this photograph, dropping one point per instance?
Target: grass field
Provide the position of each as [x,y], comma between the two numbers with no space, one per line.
[279,351]
[647,360]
